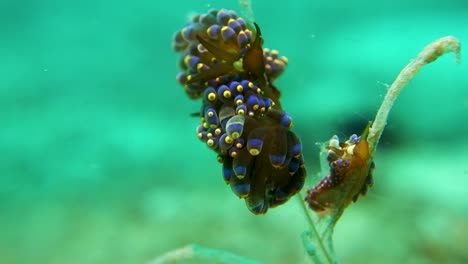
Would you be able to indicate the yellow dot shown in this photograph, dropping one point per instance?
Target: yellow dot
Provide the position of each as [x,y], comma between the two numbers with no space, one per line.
[278,62]
[200,135]
[211,96]
[224,28]
[350,149]
[241,112]
[233,154]
[235,135]
[254,152]
[210,142]
[218,131]
[239,102]
[210,114]
[200,66]
[227,94]
[228,139]
[187,60]
[239,88]
[251,85]
[209,135]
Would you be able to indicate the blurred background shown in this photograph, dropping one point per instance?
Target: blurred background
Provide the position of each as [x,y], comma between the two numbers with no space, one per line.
[100,162]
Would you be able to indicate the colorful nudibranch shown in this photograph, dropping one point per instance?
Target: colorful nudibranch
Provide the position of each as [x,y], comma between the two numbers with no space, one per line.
[350,174]
[223,62]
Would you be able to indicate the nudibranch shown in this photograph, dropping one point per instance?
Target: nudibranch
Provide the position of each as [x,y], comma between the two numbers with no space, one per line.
[350,174]
[223,63]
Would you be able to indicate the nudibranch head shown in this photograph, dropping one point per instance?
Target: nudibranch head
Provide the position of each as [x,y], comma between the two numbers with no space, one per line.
[252,61]
[219,47]
[223,62]
[350,175]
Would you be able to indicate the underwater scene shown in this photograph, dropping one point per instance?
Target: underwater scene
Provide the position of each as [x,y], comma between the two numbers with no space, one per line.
[233,132]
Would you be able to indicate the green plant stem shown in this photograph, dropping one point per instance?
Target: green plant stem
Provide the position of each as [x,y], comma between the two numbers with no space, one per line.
[429,54]
[314,229]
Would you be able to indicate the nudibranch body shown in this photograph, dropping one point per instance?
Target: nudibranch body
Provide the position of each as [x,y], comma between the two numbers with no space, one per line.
[350,175]
[223,63]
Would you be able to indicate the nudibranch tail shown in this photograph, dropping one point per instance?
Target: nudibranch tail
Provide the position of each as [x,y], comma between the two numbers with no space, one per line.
[241,119]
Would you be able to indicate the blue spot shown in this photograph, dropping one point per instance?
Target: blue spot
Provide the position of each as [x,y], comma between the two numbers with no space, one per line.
[193,61]
[239,98]
[234,25]
[227,174]
[235,127]
[241,107]
[240,170]
[286,120]
[293,166]
[233,87]
[281,195]
[277,160]
[252,100]
[222,17]
[188,32]
[299,185]
[213,31]
[245,84]
[227,33]
[296,149]
[254,144]
[242,39]
[241,190]
[354,138]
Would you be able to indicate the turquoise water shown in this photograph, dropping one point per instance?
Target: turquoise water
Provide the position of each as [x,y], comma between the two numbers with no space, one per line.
[101,163]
